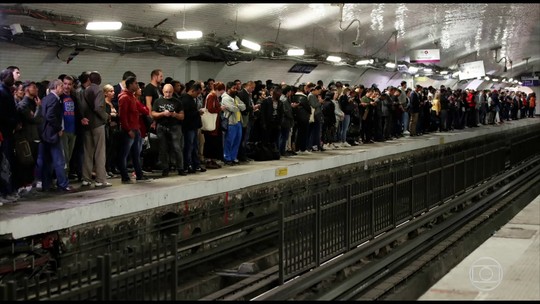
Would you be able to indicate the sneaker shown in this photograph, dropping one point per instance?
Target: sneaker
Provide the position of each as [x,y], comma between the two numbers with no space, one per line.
[102,185]
[39,185]
[182,172]
[229,163]
[165,173]
[236,162]
[190,170]
[200,169]
[66,189]
[85,183]
[345,144]
[144,179]
[308,152]
[127,181]
[336,146]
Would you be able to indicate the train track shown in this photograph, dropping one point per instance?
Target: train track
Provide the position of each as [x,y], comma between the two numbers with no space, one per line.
[386,263]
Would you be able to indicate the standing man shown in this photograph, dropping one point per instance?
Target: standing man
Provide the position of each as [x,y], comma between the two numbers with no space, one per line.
[52,130]
[248,118]
[94,136]
[191,124]
[233,137]
[130,130]
[415,109]
[8,123]
[71,116]
[168,114]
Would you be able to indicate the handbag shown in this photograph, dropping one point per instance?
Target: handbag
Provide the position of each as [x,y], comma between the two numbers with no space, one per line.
[23,152]
[312,115]
[224,122]
[208,120]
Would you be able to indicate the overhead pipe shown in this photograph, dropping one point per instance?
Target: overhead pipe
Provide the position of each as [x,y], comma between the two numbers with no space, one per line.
[355,43]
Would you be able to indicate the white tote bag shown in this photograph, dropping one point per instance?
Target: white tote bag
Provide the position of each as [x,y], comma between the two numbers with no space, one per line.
[208,120]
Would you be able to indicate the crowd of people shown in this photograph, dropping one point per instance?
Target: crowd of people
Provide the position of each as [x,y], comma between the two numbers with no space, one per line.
[73,128]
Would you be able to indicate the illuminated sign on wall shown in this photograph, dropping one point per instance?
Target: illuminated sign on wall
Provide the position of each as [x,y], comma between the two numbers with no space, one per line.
[472,69]
[426,56]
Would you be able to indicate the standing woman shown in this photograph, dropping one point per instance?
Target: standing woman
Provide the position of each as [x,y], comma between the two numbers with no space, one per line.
[213,140]
[112,137]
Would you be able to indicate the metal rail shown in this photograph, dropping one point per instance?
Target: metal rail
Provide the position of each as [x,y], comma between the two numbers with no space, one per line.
[306,281]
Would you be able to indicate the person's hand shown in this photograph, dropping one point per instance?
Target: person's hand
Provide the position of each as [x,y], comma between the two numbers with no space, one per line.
[85,121]
[38,101]
[60,133]
[131,134]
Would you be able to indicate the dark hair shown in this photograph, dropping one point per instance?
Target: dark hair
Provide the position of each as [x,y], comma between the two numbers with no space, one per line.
[155,72]
[95,77]
[141,84]
[128,74]
[84,77]
[195,87]
[68,77]
[130,80]
[61,76]
[6,76]
[286,90]
[168,80]
[211,79]
[230,85]
[12,68]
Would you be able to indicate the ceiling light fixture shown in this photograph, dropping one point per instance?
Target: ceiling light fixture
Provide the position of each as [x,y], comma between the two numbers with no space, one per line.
[295,52]
[495,79]
[333,58]
[443,72]
[233,45]
[427,70]
[185,34]
[486,78]
[390,65]
[413,69]
[104,25]
[250,45]
[511,79]
[189,34]
[364,62]
[417,75]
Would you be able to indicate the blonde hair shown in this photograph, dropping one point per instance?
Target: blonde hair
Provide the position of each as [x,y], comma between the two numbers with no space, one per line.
[107,88]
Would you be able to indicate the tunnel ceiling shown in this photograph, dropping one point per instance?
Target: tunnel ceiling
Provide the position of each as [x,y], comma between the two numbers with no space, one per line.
[463,32]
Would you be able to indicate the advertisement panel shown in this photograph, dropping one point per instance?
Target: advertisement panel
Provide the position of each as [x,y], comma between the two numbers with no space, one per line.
[425,56]
[472,69]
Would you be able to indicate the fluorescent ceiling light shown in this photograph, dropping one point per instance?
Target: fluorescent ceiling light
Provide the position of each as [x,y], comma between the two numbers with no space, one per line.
[446,76]
[443,72]
[428,70]
[413,69]
[333,58]
[417,75]
[364,62]
[233,45]
[97,26]
[511,79]
[390,65]
[495,79]
[188,34]
[486,78]
[250,45]
[520,83]
[295,52]
[515,81]
[504,80]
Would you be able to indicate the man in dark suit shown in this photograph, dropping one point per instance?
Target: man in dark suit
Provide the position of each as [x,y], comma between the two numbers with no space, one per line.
[50,146]
[8,123]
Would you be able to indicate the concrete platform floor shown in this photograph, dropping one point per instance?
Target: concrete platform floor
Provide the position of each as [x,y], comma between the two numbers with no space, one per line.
[504,267]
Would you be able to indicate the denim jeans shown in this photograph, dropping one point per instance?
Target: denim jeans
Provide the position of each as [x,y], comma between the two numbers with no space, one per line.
[283,138]
[191,149]
[130,146]
[232,142]
[344,128]
[53,159]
